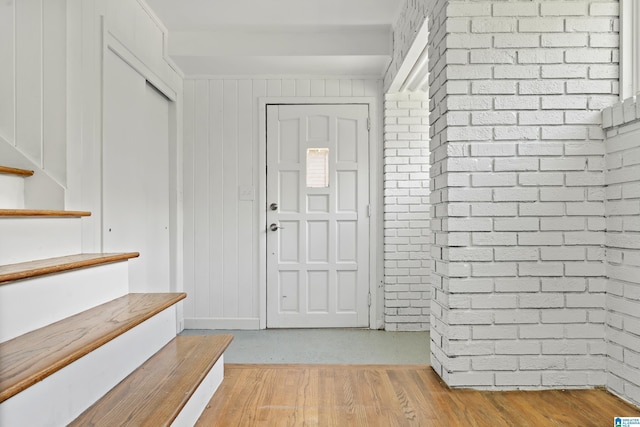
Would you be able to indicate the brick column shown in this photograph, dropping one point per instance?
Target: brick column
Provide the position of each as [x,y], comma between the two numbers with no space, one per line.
[517,190]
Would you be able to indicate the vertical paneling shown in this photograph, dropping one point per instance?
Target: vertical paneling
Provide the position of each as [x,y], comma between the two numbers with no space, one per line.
[247,295]
[202,199]
[288,87]
[29,78]
[33,81]
[7,71]
[259,91]
[230,198]
[332,88]
[303,87]
[372,87]
[317,88]
[222,237]
[189,197]
[345,88]
[357,87]
[274,87]
[216,185]
[54,89]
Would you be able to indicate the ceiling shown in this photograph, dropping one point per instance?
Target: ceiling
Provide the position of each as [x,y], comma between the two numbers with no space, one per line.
[280,37]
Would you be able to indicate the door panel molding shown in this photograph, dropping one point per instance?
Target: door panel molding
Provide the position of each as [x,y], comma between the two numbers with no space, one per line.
[375,197]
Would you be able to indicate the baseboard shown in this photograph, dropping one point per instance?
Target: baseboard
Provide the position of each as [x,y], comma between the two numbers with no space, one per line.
[222,323]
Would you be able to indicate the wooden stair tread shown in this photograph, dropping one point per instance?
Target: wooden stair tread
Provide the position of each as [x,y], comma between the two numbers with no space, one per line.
[15,171]
[41,213]
[155,393]
[25,270]
[31,357]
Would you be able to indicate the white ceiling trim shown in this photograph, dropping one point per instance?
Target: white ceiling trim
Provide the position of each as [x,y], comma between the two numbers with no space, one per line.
[269,37]
[347,65]
[198,15]
[283,42]
[337,51]
[413,74]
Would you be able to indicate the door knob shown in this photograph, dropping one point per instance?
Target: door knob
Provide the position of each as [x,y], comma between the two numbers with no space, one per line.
[273,206]
[274,227]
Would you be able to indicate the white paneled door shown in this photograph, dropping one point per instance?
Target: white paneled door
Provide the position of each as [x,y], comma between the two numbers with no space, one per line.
[317,216]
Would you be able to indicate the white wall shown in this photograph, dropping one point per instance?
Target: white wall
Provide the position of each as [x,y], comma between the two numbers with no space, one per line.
[126,30]
[221,140]
[33,81]
[33,94]
[50,92]
[622,123]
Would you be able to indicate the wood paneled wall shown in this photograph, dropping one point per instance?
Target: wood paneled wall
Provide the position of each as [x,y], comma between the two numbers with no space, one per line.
[221,139]
[33,82]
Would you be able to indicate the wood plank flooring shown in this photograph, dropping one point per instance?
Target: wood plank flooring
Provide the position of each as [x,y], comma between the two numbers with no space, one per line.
[361,395]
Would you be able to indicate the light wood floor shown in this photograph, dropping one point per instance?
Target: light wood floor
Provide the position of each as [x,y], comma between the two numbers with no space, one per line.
[361,395]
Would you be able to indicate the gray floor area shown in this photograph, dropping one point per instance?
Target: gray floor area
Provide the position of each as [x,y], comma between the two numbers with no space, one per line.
[324,346]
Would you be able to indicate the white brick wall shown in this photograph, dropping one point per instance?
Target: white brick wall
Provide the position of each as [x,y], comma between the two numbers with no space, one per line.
[407,265]
[522,295]
[623,249]
[517,181]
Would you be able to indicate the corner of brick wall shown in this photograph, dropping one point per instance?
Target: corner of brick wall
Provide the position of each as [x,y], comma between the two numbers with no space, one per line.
[517,190]
[407,269]
[622,126]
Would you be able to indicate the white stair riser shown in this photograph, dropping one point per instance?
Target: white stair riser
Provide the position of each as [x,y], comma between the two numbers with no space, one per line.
[199,400]
[11,192]
[60,398]
[30,304]
[26,239]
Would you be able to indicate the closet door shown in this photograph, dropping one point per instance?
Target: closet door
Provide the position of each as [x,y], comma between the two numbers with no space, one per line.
[136,175]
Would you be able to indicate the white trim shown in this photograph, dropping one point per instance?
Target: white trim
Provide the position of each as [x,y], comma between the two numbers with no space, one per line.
[375,221]
[115,46]
[629,48]
[415,63]
[222,323]
[155,18]
[165,37]
[282,77]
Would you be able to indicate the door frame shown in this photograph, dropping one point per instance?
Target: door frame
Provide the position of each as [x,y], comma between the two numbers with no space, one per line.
[376,285]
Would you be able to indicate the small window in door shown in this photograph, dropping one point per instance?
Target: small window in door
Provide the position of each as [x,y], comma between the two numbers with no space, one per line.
[318,168]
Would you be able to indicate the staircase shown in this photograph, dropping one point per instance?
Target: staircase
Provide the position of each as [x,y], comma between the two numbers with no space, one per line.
[76,347]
